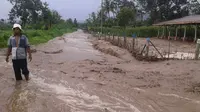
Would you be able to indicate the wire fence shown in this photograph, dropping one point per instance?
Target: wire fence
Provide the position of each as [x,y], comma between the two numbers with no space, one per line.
[152,49]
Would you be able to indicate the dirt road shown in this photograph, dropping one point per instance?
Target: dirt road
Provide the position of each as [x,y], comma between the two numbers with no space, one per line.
[69,75]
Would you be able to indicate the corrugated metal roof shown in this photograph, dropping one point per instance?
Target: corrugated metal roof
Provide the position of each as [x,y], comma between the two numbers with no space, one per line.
[194,19]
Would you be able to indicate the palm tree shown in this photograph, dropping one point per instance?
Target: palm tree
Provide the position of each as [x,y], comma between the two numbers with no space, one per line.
[106,7]
[109,7]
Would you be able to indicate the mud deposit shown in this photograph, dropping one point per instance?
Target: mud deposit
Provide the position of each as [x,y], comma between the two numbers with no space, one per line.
[69,75]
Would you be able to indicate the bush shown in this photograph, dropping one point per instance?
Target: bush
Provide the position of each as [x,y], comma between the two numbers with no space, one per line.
[147,31]
[36,36]
[139,31]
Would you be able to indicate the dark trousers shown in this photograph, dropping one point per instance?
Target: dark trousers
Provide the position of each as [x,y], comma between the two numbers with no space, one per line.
[20,65]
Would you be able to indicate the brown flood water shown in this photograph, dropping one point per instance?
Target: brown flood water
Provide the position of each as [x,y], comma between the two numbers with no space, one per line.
[82,79]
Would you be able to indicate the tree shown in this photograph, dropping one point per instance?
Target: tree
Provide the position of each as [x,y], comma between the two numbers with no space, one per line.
[194,7]
[55,17]
[26,10]
[162,10]
[108,7]
[46,16]
[33,12]
[125,16]
[75,23]
[70,22]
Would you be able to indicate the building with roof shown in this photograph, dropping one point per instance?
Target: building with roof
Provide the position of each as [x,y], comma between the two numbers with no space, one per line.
[193,20]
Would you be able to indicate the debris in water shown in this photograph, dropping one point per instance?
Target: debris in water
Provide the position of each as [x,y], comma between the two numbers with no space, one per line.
[95,71]
[33,50]
[53,52]
[63,72]
[100,83]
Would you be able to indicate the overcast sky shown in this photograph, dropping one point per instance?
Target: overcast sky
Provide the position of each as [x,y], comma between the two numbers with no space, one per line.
[79,9]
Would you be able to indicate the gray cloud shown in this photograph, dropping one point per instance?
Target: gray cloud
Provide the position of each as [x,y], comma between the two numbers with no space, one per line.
[74,8]
[67,8]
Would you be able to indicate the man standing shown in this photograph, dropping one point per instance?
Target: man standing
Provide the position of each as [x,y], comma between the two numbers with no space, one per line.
[19,46]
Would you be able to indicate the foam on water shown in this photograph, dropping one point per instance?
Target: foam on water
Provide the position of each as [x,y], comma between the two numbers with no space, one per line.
[181,55]
[79,100]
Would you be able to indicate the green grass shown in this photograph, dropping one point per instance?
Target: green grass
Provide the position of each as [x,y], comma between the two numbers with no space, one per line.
[35,36]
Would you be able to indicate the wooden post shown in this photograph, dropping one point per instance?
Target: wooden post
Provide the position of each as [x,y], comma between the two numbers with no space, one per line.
[166,28]
[109,36]
[163,32]
[185,30]
[156,49]
[169,35]
[125,41]
[197,50]
[113,39]
[147,47]
[99,36]
[195,36]
[133,45]
[169,48]
[118,41]
[158,33]
[176,33]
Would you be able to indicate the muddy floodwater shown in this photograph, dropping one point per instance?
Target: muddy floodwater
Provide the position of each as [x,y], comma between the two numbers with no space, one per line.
[69,75]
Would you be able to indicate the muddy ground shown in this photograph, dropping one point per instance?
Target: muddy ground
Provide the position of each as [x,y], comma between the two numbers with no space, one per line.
[69,75]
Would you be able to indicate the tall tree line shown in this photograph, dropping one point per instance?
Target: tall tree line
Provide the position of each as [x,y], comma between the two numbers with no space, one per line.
[111,13]
[147,12]
[35,13]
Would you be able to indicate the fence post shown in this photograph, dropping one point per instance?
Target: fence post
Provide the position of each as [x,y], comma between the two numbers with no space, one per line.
[133,44]
[105,37]
[158,32]
[125,40]
[147,47]
[185,31]
[118,41]
[113,40]
[109,36]
[197,50]
[195,36]
[99,37]
[176,33]
[163,32]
